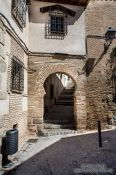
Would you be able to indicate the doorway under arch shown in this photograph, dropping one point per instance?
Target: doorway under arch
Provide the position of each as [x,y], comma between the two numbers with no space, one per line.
[59,101]
[36,89]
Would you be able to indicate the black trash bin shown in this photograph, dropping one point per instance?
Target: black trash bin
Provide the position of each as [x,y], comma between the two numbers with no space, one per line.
[11,142]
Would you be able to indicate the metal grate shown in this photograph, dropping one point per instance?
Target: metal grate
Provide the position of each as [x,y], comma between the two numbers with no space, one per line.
[57,25]
[17,76]
[19,12]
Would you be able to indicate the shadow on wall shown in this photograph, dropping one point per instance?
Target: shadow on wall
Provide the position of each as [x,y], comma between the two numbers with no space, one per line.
[35,16]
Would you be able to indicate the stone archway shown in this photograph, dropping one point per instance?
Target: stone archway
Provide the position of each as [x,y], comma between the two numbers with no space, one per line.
[36,94]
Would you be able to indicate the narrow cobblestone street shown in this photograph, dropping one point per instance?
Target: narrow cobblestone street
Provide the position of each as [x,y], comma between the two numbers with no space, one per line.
[69,154]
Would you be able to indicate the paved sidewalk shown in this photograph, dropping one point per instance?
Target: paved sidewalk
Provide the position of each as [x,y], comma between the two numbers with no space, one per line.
[68,155]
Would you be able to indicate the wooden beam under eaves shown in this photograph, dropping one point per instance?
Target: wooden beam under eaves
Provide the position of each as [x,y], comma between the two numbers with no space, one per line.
[71,2]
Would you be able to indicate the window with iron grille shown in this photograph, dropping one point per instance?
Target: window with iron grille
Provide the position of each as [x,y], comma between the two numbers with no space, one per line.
[57,25]
[19,12]
[17,76]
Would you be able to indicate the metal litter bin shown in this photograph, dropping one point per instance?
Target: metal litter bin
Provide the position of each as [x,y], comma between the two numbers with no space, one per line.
[11,142]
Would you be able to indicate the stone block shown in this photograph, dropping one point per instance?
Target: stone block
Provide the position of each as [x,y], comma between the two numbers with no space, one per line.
[81,124]
[40,127]
[32,128]
[37,121]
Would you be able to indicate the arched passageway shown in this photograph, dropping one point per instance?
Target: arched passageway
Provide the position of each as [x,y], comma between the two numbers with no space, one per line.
[59,101]
[39,104]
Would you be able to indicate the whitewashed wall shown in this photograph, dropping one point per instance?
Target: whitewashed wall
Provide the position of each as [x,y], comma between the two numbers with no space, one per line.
[5,9]
[4,96]
[74,41]
[25,96]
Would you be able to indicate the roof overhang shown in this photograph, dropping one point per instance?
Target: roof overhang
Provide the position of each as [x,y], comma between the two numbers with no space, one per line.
[57,7]
[71,2]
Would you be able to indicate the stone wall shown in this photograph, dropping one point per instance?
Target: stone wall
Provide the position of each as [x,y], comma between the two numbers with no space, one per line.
[41,66]
[99,16]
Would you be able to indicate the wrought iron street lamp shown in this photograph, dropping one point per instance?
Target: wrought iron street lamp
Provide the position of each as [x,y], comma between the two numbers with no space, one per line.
[109,36]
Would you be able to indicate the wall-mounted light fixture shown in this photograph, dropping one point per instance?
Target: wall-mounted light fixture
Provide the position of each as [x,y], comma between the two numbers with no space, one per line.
[109,36]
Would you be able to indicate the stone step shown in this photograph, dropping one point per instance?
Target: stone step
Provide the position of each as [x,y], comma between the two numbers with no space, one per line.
[67,93]
[60,122]
[58,126]
[65,98]
[64,103]
[52,132]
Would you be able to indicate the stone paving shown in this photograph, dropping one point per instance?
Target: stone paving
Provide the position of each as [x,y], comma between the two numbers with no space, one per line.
[68,155]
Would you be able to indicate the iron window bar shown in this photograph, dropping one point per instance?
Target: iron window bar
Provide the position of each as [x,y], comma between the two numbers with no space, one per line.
[19,12]
[56,28]
[17,75]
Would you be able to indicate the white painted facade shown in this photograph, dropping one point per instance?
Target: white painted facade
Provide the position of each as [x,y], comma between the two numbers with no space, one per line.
[5,9]
[4,96]
[73,43]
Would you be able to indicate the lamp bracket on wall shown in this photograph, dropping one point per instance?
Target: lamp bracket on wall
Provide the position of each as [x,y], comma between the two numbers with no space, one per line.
[109,36]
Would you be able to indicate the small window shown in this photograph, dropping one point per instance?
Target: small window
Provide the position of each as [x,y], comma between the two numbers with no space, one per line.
[19,12]
[17,76]
[57,25]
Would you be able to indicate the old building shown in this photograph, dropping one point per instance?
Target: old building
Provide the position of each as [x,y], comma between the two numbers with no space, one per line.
[53,29]
[13,68]
[57,66]
[101,87]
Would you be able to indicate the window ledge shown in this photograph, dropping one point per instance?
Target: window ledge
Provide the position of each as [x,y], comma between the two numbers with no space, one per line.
[25,95]
[16,91]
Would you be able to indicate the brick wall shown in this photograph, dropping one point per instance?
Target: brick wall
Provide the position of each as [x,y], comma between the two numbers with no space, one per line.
[45,65]
[99,16]
[17,116]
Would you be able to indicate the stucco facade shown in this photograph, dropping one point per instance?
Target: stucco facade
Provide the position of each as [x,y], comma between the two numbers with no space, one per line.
[75,31]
